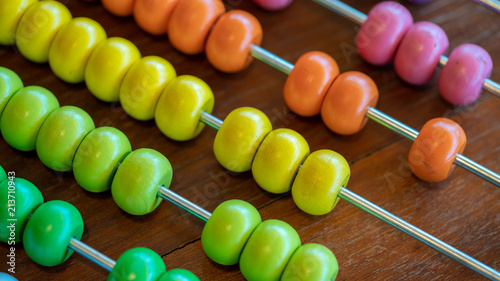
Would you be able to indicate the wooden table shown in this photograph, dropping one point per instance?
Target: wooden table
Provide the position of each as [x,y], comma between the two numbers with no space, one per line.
[462,211]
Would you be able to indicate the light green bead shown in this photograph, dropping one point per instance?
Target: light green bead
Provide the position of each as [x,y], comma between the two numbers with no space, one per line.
[24,115]
[9,84]
[60,135]
[3,174]
[138,264]
[178,274]
[11,12]
[311,262]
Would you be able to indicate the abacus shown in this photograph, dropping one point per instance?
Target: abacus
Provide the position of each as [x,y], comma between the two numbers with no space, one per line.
[206,151]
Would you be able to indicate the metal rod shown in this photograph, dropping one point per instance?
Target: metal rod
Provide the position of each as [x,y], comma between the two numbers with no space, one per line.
[210,120]
[180,201]
[418,234]
[477,169]
[271,59]
[91,254]
[492,4]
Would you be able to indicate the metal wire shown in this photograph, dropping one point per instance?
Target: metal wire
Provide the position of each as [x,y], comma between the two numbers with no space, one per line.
[91,254]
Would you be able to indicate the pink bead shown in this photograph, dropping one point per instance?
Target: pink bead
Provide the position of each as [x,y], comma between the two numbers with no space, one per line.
[273,5]
[462,78]
[419,52]
[379,36]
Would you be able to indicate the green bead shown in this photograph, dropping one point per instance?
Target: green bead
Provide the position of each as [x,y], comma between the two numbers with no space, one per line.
[60,135]
[138,264]
[268,250]
[228,229]
[20,198]
[9,84]
[138,179]
[178,274]
[98,156]
[24,115]
[311,262]
[49,230]
[3,174]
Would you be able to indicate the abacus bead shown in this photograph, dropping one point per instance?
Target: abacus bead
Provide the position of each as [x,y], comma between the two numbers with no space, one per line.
[9,84]
[178,274]
[153,15]
[27,198]
[190,23]
[122,8]
[72,46]
[3,174]
[228,44]
[268,250]
[7,277]
[24,115]
[49,230]
[306,86]
[38,27]
[311,262]
[179,108]
[138,179]
[418,54]
[11,12]
[60,135]
[228,229]
[380,35]
[98,157]
[319,180]
[344,108]
[462,78]
[239,138]
[138,264]
[432,153]
[273,5]
[142,85]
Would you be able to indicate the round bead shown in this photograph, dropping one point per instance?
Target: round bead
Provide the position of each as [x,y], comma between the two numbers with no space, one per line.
[49,230]
[20,198]
[418,54]
[278,159]
[344,108]
[9,84]
[98,157]
[7,277]
[268,250]
[273,5]
[138,179]
[60,135]
[143,84]
[153,15]
[311,262]
[178,274]
[180,105]
[239,137]
[462,78]
[306,86]
[228,45]
[190,23]
[228,229]
[72,46]
[138,264]
[38,27]
[318,182]
[122,8]
[3,174]
[435,148]
[11,12]
[381,33]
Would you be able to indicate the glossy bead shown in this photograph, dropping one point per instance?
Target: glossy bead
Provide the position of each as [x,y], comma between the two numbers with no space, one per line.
[268,250]
[3,174]
[239,137]
[228,45]
[60,135]
[179,108]
[9,84]
[418,54]
[311,262]
[380,35]
[49,230]
[228,229]
[72,46]
[98,157]
[178,274]
[434,150]
[138,179]
[273,5]
[462,78]
[11,12]
[306,86]
[153,15]
[138,264]
[190,23]
[38,27]
[20,198]
[344,108]
[142,85]
[7,277]
[122,8]
[278,159]
[318,182]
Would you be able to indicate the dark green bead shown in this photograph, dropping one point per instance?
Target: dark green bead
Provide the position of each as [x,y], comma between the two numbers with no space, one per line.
[138,264]
[178,274]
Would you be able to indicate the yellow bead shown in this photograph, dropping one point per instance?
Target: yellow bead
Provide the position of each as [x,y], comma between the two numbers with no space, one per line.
[319,180]
[180,105]
[11,12]
[239,137]
[143,84]
[278,159]
[38,27]
[107,66]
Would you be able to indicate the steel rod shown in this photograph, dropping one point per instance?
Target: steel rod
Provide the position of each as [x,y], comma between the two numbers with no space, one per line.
[91,254]
[180,201]
[210,120]
[271,59]
[491,4]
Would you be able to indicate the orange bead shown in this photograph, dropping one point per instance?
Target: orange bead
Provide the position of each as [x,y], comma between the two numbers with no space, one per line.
[435,148]
[122,8]
[153,15]
[190,23]
[306,86]
[346,102]
[228,45]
